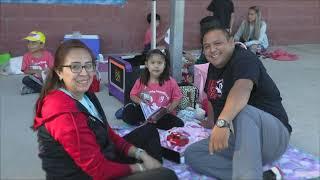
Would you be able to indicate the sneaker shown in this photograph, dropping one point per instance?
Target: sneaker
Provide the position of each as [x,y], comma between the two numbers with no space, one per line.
[26,90]
[273,174]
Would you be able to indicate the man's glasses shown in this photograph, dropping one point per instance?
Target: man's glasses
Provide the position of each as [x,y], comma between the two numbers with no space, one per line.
[76,67]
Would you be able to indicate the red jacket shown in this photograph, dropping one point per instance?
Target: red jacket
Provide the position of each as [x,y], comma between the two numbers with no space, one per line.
[68,126]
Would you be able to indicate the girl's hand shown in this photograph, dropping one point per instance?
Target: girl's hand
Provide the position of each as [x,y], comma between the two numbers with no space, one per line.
[148,102]
[38,72]
[170,108]
[149,162]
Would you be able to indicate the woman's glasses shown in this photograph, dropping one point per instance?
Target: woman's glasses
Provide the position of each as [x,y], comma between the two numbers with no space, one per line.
[76,67]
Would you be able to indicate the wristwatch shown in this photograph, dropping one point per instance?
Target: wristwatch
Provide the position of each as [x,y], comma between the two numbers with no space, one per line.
[221,123]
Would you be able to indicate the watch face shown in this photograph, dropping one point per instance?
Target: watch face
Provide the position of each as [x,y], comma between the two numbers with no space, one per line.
[220,123]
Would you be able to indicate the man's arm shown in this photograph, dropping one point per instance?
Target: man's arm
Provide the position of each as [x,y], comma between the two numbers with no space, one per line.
[209,123]
[237,99]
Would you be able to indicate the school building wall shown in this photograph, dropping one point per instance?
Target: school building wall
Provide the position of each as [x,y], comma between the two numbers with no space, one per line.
[122,28]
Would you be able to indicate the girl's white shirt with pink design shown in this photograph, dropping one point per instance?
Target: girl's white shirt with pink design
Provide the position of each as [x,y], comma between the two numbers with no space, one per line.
[160,96]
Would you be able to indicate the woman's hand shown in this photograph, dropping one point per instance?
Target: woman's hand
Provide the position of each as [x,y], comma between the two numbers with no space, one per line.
[149,162]
[135,168]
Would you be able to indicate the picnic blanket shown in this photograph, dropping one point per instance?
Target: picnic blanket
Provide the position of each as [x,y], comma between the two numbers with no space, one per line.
[295,164]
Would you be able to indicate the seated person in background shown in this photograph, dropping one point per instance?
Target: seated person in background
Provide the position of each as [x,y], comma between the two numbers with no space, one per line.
[249,125]
[75,139]
[252,31]
[148,34]
[158,89]
[36,63]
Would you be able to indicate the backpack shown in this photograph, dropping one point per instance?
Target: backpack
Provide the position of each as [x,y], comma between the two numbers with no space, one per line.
[190,96]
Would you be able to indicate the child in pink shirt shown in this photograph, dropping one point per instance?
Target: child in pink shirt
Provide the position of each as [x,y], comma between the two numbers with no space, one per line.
[35,63]
[161,89]
[148,34]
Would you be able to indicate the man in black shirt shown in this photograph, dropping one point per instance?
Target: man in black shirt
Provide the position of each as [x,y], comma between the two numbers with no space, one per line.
[224,11]
[249,124]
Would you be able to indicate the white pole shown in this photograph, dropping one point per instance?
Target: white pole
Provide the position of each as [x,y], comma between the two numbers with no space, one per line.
[153,24]
[176,37]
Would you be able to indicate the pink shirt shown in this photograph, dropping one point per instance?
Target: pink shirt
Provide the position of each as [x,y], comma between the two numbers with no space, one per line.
[161,96]
[44,62]
[147,37]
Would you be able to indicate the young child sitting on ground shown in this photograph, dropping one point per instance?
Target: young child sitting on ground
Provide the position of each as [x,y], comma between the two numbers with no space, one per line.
[162,91]
[35,63]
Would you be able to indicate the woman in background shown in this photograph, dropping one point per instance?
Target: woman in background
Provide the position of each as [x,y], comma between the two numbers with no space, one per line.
[252,31]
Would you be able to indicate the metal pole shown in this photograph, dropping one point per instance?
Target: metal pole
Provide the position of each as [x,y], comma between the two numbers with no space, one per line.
[176,37]
[153,24]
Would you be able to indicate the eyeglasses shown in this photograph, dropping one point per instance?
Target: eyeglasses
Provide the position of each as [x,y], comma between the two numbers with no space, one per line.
[76,67]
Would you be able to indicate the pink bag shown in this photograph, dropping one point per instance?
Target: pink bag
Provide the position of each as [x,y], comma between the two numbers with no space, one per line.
[200,77]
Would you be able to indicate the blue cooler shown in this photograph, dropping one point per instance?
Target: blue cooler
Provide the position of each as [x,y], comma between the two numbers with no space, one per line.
[92,41]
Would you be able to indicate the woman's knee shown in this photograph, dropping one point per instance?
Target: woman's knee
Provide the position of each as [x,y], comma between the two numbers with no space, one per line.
[150,129]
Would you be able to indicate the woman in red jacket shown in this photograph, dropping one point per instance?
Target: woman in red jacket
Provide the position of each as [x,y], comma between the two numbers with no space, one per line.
[75,140]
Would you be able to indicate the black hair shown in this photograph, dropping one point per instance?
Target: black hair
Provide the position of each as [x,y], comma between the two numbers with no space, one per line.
[209,21]
[165,75]
[213,27]
[149,17]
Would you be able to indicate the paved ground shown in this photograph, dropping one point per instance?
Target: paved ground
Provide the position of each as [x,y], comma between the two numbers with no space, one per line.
[298,82]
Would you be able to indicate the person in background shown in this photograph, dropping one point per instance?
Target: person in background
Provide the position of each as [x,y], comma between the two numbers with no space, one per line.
[75,140]
[249,125]
[161,91]
[252,31]
[223,10]
[36,63]
[148,34]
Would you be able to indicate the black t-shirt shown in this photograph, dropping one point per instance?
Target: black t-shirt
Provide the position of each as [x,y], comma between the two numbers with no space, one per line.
[222,10]
[245,65]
